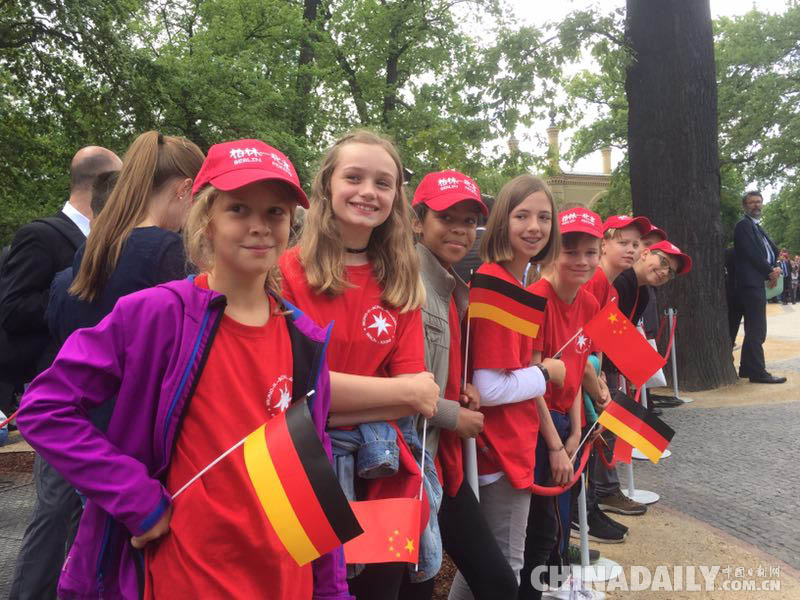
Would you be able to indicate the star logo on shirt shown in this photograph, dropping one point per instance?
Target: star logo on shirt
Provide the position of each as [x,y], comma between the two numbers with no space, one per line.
[379,325]
[279,396]
[285,398]
[581,342]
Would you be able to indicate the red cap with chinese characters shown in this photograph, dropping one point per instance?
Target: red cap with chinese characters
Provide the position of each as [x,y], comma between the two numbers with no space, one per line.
[443,189]
[657,230]
[622,221]
[580,220]
[231,165]
[668,247]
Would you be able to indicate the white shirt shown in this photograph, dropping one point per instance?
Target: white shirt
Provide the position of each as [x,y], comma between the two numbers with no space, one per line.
[767,247]
[76,217]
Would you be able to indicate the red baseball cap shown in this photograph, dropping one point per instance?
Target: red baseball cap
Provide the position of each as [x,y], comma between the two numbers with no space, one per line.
[668,247]
[580,220]
[622,221]
[656,230]
[231,165]
[443,189]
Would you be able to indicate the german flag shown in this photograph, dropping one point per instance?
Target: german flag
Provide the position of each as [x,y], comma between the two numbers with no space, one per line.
[632,423]
[506,304]
[296,485]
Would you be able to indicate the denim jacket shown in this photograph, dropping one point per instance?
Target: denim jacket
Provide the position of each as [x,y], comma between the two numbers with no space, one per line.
[370,447]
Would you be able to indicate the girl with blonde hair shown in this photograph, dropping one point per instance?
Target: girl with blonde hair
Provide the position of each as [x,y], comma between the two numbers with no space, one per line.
[355,265]
[191,367]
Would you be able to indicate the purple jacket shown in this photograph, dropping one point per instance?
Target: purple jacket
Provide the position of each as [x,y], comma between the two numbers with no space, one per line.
[146,357]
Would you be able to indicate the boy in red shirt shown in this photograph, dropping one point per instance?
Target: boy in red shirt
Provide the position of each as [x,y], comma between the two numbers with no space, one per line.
[622,239]
[569,307]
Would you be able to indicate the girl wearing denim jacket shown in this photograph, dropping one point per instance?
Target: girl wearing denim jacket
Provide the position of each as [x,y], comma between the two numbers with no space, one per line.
[191,367]
[355,265]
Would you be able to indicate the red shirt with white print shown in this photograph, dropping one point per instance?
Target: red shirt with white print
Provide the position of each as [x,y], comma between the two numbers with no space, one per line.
[247,379]
[601,288]
[368,337]
[563,321]
[509,430]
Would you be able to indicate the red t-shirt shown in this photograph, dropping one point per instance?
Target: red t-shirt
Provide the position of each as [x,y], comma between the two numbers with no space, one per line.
[449,461]
[220,543]
[600,287]
[563,320]
[368,337]
[509,430]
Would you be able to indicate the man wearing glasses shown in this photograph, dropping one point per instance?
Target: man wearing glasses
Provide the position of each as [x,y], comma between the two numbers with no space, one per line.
[755,266]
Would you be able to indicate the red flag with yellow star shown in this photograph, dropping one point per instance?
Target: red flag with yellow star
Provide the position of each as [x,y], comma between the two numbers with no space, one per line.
[391,531]
[615,336]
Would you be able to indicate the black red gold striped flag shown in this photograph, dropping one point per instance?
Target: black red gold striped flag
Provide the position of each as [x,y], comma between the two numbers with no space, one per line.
[296,485]
[630,421]
[506,304]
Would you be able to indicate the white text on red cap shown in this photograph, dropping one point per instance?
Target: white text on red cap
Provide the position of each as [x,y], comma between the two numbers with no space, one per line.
[253,155]
[572,217]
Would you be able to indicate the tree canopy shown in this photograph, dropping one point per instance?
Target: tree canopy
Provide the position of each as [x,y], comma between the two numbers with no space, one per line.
[448,80]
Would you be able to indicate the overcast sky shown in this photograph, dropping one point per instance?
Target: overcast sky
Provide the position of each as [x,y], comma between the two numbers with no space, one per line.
[539,13]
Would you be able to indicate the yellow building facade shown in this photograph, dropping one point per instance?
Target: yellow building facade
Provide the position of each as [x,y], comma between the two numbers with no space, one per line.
[576,188]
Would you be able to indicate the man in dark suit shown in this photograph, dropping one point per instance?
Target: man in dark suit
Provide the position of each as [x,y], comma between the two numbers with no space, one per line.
[786,273]
[755,265]
[41,249]
[735,310]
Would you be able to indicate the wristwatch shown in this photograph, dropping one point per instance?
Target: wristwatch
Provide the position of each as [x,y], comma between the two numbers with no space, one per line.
[544,371]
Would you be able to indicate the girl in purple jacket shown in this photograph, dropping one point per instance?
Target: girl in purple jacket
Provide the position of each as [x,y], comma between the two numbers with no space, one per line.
[190,367]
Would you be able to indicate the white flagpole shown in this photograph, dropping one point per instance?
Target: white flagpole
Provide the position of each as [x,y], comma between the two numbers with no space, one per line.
[219,458]
[577,333]
[422,462]
[204,470]
[422,469]
[469,447]
[583,441]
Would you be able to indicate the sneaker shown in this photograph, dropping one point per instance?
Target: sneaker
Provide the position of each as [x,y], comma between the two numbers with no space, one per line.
[574,555]
[622,505]
[616,524]
[599,531]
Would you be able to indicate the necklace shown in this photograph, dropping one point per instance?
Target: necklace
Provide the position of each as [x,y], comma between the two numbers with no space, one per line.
[355,250]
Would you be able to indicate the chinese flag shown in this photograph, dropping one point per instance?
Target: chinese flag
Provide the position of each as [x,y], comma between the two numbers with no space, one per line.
[623,452]
[391,531]
[615,336]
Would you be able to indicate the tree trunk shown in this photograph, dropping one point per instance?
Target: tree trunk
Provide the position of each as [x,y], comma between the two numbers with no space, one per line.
[674,170]
[305,80]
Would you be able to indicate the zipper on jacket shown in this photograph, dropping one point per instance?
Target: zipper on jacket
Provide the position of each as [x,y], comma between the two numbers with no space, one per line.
[102,555]
[190,364]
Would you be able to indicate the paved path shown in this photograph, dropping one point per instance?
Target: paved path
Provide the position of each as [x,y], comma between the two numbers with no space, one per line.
[736,469]
[16,504]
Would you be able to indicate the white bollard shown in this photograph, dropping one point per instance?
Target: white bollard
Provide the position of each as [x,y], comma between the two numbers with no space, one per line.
[671,312]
